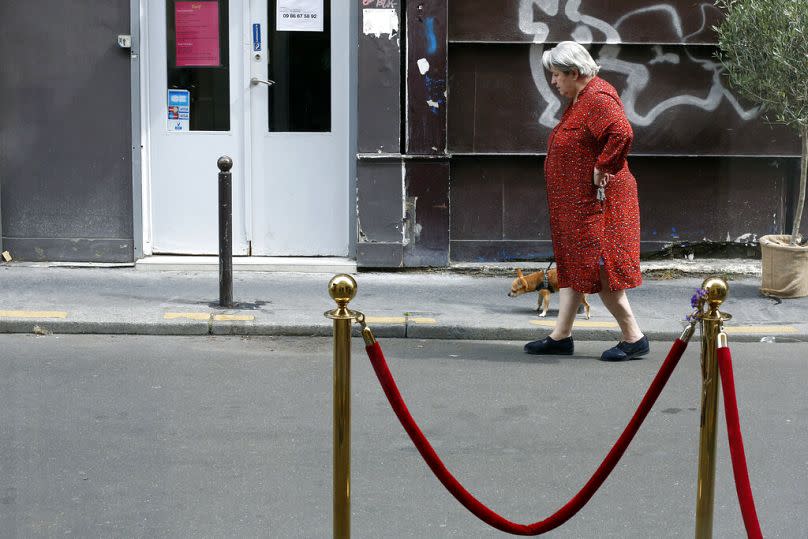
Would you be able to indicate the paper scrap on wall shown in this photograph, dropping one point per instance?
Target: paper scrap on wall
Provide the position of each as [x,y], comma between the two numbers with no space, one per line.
[379,21]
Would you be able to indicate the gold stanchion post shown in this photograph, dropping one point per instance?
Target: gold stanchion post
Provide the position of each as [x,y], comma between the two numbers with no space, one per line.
[712,320]
[342,289]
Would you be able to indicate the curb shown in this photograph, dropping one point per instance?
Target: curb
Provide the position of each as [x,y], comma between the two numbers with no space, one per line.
[68,327]
[324,329]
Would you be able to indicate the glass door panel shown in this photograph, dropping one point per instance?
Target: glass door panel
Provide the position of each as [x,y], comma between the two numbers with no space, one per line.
[198,50]
[299,62]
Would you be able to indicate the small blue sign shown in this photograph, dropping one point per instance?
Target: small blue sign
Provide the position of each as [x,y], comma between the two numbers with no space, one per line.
[256,37]
[179,98]
[179,109]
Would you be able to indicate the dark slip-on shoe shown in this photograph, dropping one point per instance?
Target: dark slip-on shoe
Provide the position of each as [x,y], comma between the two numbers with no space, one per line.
[625,351]
[548,346]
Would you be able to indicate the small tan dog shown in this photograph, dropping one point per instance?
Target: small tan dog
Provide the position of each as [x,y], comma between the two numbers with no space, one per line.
[546,283]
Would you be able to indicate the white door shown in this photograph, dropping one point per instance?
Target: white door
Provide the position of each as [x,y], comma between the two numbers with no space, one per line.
[206,62]
[288,141]
[300,127]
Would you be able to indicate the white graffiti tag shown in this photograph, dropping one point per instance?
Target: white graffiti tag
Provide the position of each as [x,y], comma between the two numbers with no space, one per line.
[637,74]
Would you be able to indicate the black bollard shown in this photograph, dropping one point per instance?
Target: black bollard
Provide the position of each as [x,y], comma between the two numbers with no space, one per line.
[225,232]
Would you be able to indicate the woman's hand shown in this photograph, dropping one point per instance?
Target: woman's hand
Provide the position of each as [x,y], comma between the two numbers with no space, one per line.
[600,179]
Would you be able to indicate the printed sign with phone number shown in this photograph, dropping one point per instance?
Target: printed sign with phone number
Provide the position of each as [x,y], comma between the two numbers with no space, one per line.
[299,16]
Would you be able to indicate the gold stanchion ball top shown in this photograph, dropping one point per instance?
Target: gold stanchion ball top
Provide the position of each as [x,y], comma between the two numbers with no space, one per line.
[717,290]
[342,288]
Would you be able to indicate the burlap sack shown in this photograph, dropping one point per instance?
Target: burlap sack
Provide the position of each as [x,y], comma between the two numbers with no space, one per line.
[785,267]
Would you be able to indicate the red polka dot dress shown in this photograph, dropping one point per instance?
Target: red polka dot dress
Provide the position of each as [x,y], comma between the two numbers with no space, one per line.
[593,132]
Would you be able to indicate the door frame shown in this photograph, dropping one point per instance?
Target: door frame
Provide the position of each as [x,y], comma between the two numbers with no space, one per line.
[141,140]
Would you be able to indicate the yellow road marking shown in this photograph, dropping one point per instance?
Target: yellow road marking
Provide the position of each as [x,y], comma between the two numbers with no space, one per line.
[385,319]
[759,329]
[187,316]
[234,317]
[33,314]
[576,324]
[207,316]
[398,320]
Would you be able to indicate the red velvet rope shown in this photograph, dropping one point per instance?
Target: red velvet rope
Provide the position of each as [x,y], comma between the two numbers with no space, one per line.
[473,504]
[742,486]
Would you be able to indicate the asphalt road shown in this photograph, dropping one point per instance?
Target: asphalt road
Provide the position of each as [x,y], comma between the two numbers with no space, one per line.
[121,436]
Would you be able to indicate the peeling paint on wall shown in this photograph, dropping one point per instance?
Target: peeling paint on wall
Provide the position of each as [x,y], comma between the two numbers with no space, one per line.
[412,229]
[378,22]
[435,90]
[403,222]
[361,233]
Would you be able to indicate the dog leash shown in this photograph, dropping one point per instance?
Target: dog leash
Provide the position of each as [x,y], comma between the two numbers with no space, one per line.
[546,283]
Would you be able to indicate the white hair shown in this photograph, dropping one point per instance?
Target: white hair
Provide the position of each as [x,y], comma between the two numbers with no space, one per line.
[569,55]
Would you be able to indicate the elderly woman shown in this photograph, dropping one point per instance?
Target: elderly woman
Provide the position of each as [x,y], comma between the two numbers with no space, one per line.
[592,198]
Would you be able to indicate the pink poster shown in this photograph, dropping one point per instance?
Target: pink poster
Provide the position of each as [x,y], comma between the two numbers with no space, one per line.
[197,29]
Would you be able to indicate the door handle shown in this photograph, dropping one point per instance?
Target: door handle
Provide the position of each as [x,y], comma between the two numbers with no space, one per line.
[256,80]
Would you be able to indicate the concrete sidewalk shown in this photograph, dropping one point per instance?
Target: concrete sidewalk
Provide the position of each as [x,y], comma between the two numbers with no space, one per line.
[466,302]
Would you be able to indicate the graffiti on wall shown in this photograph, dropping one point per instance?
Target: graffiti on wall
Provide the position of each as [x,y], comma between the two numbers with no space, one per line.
[637,75]
[435,87]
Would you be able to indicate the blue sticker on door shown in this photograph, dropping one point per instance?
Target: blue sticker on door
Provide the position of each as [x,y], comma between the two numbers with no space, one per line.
[179,110]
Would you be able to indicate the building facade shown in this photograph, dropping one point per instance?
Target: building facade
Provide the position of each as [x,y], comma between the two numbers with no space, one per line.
[400,134]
